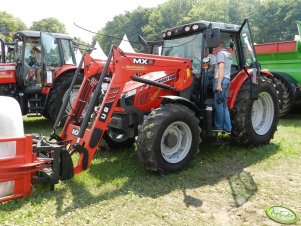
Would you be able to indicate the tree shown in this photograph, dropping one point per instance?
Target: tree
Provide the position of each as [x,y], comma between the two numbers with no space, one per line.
[166,15]
[81,44]
[270,20]
[130,23]
[13,24]
[276,20]
[50,24]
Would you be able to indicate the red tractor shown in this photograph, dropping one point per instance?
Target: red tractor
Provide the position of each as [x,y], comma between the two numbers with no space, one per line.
[38,85]
[166,102]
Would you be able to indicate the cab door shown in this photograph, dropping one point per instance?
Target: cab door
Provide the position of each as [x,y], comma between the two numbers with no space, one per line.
[247,46]
[51,57]
[248,56]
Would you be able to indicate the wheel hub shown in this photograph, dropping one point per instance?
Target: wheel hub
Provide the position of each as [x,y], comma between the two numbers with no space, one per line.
[176,142]
[262,113]
[170,140]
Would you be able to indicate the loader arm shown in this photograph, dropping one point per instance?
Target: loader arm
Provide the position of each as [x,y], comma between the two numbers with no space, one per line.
[123,67]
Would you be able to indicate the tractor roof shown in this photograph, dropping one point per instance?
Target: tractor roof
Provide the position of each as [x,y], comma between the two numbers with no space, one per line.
[197,27]
[37,34]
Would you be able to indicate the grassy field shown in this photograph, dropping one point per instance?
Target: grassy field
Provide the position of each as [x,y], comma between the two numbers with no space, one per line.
[224,185]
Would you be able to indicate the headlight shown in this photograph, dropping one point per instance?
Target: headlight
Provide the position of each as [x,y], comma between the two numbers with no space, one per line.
[163,35]
[195,27]
[130,97]
[168,33]
[187,28]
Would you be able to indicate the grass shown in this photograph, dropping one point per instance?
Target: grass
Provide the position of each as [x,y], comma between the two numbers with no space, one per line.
[224,185]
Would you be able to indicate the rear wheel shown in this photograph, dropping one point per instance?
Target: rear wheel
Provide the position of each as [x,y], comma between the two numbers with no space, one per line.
[57,93]
[254,122]
[168,139]
[286,97]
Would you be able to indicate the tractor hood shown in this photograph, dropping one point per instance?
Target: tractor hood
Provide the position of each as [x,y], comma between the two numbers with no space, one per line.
[159,76]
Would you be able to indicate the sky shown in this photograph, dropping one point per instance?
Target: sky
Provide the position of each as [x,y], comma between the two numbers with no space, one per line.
[90,14]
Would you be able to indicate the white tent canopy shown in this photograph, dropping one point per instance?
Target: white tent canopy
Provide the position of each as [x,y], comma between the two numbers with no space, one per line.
[98,53]
[125,45]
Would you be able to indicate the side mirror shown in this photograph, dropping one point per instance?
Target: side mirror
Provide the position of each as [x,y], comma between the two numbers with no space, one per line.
[213,36]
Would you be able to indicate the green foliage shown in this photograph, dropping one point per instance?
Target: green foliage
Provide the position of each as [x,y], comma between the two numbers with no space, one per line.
[271,20]
[13,24]
[169,14]
[130,23]
[275,20]
[50,24]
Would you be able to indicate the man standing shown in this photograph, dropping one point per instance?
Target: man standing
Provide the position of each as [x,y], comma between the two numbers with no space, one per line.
[222,121]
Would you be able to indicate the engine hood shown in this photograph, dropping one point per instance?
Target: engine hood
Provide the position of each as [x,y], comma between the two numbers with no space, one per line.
[153,76]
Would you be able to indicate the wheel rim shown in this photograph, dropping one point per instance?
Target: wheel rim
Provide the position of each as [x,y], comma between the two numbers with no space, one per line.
[262,113]
[176,150]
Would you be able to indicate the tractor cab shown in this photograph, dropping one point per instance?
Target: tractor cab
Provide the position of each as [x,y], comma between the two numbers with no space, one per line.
[38,58]
[36,68]
[192,40]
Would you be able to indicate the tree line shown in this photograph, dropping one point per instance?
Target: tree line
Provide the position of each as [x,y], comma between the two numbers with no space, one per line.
[271,20]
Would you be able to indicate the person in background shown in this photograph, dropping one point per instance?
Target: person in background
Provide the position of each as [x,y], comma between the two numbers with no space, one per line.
[36,64]
[222,121]
[211,69]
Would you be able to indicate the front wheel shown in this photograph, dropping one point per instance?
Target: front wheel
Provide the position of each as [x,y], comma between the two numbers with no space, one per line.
[254,122]
[168,139]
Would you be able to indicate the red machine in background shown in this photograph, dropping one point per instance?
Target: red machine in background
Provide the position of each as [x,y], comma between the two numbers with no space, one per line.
[36,69]
[164,101]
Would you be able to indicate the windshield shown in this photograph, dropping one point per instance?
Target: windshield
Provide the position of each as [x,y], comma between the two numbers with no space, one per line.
[186,47]
[68,51]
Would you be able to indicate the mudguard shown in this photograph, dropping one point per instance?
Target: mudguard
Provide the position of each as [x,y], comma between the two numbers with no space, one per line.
[64,69]
[183,101]
[236,84]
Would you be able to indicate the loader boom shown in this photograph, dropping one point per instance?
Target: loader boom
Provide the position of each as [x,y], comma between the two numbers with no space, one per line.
[125,67]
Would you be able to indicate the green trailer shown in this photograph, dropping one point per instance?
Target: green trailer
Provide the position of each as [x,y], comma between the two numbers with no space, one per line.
[283,59]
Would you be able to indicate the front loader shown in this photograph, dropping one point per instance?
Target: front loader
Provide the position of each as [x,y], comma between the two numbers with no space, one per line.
[164,101]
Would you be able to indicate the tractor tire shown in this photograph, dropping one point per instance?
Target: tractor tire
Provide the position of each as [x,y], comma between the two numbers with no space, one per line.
[169,138]
[117,139]
[56,95]
[254,122]
[286,97]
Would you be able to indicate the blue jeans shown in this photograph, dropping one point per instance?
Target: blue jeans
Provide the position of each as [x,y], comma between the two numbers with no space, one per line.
[222,119]
[210,77]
